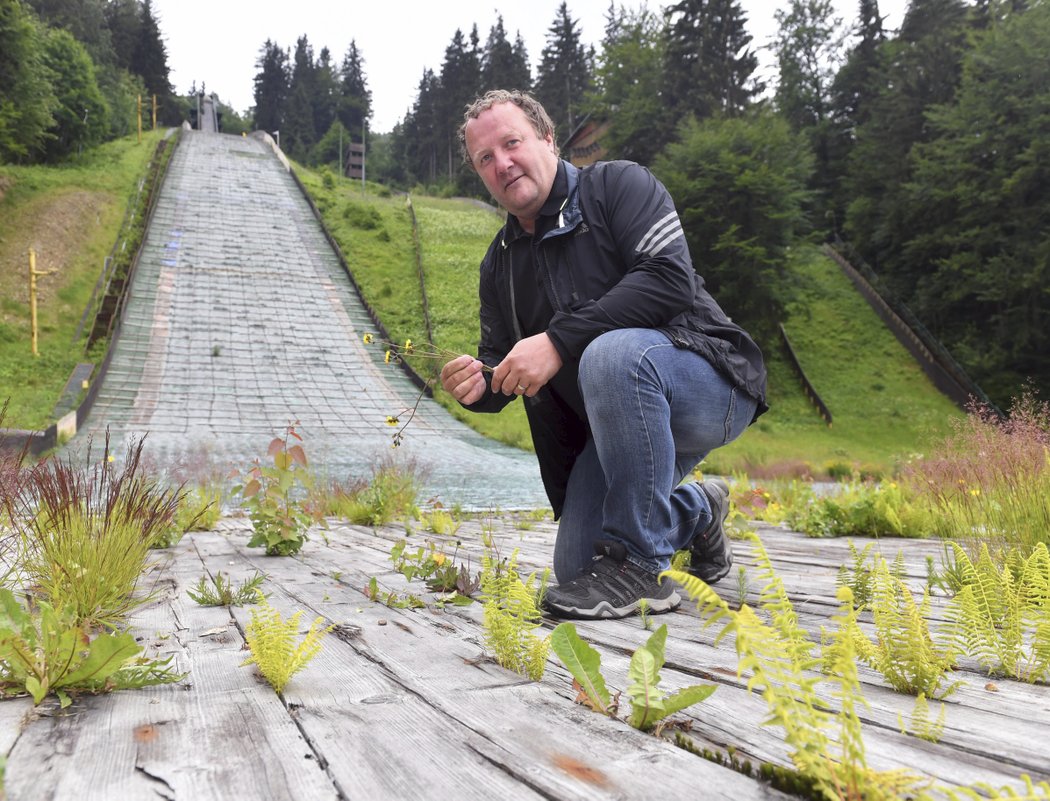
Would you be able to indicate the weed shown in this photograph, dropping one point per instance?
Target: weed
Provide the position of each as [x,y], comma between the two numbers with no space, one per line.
[391,598]
[438,521]
[272,641]
[861,508]
[85,533]
[220,592]
[278,520]
[989,479]
[647,705]
[391,494]
[643,613]
[53,652]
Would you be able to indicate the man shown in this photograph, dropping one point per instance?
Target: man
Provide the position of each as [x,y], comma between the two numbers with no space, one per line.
[631,373]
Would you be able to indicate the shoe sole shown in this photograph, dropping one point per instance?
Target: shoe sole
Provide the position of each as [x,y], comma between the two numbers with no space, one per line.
[606,611]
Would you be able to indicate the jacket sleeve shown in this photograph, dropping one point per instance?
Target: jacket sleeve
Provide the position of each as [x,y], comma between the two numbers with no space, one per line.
[654,280]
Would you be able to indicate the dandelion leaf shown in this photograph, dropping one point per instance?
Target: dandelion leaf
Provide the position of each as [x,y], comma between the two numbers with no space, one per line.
[583,662]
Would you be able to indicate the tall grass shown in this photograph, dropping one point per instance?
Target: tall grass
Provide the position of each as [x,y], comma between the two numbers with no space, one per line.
[85,533]
[989,479]
[392,493]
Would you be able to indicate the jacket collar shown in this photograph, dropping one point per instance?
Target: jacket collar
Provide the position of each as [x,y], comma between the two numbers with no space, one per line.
[564,201]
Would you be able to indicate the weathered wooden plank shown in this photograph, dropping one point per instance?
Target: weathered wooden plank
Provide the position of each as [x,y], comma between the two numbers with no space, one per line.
[216,735]
[957,759]
[517,726]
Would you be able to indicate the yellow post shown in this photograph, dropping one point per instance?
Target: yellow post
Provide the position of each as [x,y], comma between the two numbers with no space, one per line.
[139,117]
[154,112]
[33,274]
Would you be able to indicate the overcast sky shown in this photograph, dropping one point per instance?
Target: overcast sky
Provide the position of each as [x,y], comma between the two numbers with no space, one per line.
[218,41]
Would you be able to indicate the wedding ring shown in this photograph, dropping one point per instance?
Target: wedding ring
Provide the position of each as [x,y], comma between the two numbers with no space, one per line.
[521,388]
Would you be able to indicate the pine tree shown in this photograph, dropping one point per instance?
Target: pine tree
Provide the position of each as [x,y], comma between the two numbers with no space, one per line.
[808,46]
[565,73]
[921,69]
[459,86]
[355,98]
[298,134]
[271,87]
[326,94]
[503,65]
[709,64]
[123,22]
[150,60]
[978,203]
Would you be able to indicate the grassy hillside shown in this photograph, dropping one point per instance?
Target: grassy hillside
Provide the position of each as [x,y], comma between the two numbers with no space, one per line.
[883,406]
[70,216]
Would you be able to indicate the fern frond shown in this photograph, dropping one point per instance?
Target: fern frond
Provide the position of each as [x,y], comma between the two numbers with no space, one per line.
[511,616]
[272,641]
[922,726]
[905,652]
[775,601]
[983,792]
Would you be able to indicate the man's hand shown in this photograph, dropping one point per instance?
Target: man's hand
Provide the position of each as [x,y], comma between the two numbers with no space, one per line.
[463,380]
[528,367]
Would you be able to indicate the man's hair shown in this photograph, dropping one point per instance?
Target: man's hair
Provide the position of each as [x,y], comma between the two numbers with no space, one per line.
[534,112]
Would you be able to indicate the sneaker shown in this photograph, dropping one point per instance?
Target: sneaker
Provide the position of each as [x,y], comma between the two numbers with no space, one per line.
[610,587]
[711,552]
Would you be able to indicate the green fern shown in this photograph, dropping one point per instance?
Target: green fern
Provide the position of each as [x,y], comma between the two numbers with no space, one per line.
[511,616]
[778,659]
[272,641]
[858,575]
[904,651]
[1000,609]
[922,725]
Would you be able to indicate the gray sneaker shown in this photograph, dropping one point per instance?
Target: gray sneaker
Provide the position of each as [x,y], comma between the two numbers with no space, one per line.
[711,552]
[610,587]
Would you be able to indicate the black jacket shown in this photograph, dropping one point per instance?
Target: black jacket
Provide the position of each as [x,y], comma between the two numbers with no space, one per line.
[609,253]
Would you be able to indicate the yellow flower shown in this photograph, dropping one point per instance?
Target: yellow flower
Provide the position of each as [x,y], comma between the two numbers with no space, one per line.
[368,338]
[975,492]
[110,458]
[439,559]
[386,358]
[392,421]
[408,346]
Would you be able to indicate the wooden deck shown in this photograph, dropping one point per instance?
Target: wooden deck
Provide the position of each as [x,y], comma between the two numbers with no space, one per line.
[403,704]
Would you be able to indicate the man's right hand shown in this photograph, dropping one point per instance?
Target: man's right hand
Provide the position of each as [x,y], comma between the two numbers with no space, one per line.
[463,380]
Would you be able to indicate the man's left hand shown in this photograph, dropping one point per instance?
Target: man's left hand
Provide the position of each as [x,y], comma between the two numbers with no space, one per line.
[531,363]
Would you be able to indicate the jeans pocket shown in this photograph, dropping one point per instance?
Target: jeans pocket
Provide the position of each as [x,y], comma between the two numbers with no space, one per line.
[730,417]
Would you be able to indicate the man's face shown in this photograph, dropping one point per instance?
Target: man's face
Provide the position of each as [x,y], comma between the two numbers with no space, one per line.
[516,165]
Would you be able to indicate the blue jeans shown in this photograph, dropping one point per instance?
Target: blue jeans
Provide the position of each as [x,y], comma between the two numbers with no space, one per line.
[655,412]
